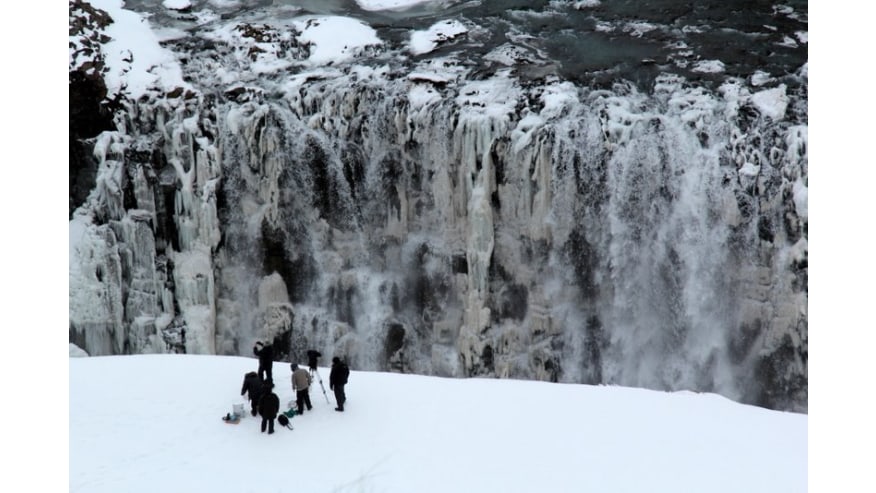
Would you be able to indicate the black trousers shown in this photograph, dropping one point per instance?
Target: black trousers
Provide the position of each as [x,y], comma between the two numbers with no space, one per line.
[340,396]
[268,423]
[302,398]
[263,370]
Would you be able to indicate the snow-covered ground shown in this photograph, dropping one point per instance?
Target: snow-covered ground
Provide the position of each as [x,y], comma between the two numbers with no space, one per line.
[389,4]
[151,423]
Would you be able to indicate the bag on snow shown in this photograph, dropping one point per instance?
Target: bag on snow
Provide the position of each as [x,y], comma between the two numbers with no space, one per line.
[284,421]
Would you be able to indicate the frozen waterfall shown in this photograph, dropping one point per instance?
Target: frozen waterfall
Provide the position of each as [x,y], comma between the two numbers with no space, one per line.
[426,218]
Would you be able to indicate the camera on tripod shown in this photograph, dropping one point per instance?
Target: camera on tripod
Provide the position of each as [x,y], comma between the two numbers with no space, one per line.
[312,361]
[312,357]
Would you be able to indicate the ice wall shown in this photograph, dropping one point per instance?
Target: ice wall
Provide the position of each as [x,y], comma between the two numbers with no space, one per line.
[431,219]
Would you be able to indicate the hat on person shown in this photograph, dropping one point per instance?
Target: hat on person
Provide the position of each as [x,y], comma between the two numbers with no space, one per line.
[336,360]
[259,343]
[294,366]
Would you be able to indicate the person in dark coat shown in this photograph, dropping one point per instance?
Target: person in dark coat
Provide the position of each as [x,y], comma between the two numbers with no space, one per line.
[312,356]
[269,406]
[254,386]
[337,379]
[265,352]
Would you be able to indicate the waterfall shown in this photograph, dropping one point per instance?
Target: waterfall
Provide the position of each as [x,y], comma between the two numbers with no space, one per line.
[436,220]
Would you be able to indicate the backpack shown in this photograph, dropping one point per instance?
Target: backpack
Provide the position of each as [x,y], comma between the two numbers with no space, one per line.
[284,421]
[345,373]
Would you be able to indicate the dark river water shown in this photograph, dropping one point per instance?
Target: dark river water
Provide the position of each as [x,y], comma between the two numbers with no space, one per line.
[613,39]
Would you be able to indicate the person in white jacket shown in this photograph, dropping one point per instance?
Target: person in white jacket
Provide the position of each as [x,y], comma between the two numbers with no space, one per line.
[301,381]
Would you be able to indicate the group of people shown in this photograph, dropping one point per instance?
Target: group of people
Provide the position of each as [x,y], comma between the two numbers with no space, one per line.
[259,385]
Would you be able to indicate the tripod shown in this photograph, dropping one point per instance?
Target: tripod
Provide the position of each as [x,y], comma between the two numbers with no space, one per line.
[314,371]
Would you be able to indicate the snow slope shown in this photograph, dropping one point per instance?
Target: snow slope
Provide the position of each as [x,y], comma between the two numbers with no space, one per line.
[152,423]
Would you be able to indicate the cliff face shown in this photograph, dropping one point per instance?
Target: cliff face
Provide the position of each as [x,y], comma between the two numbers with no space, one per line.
[428,217]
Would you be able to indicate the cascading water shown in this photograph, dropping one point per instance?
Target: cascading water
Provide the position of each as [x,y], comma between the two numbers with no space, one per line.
[440,216]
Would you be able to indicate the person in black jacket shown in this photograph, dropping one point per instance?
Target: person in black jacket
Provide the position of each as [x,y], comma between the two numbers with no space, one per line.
[265,352]
[269,406]
[337,379]
[254,386]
